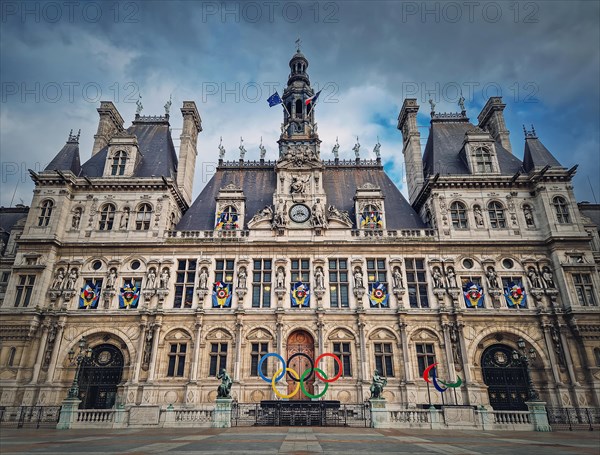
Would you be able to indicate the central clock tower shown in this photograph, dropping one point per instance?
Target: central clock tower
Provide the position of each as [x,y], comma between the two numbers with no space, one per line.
[300,201]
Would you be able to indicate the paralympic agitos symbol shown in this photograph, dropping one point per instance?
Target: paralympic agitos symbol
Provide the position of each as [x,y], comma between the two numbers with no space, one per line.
[300,379]
[431,377]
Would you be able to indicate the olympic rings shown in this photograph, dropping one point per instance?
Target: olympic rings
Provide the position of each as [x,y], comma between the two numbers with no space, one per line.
[337,360]
[262,359]
[312,365]
[300,379]
[289,395]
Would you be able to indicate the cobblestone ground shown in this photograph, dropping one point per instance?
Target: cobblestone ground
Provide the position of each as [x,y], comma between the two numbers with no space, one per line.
[269,440]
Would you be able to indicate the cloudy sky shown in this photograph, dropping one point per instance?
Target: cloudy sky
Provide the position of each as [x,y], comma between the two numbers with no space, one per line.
[59,59]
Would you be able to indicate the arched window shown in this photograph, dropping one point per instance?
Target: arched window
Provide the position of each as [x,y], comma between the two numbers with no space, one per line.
[458,212]
[562,210]
[107,217]
[118,164]
[142,220]
[45,213]
[11,357]
[497,216]
[227,219]
[371,218]
[483,160]
[298,108]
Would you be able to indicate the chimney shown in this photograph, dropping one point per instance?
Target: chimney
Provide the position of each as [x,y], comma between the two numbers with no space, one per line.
[110,123]
[491,119]
[192,125]
[411,149]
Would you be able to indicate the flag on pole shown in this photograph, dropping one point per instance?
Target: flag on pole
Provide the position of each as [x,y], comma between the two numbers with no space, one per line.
[274,100]
[312,99]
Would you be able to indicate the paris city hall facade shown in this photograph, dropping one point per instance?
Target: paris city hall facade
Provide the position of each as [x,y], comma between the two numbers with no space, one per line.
[302,255]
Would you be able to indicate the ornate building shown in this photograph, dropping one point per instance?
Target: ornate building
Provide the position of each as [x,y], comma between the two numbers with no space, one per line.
[301,255]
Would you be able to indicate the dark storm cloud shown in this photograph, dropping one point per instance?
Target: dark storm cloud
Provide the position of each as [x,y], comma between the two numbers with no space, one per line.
[543,56]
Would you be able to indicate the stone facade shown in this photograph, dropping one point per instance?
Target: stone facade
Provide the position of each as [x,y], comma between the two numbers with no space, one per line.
[486,218]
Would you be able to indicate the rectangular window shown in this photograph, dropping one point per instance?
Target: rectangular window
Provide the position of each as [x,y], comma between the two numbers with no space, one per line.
[384,360]
[338,283]
[584,289]
[136,281]
[5,276]
[376,271]
[425,356]
[224,270]
[261,283]
[218,358]
[184,283]
[24,289]
[417,283]
[518,280]
[300,270]
[258,351]
[177,360]
[342,350]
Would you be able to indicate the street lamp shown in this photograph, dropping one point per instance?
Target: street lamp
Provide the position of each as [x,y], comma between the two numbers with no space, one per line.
[526,357]
[85,352]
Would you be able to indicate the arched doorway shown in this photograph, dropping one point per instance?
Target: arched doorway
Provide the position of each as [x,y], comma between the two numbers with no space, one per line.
[99,377]
[300,342]
[505,377]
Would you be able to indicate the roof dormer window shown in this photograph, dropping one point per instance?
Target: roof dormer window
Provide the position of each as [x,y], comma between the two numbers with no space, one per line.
[118,163]
[483,160]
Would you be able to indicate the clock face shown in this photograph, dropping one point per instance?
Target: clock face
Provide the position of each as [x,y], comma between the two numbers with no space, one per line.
[299,213]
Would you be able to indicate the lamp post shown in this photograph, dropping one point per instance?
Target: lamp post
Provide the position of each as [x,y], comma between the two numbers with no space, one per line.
[526,356]
[85,352]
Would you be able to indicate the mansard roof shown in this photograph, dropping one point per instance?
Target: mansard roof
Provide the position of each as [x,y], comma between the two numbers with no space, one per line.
[157,152]
[444,144]
[259,183]
[67,159]
[9,216]
[536,154]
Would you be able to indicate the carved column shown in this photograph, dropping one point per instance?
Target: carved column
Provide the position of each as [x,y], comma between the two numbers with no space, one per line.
[154,358]
[464,353]
[140,353]
[57,345]
[238,350]
[197,349]
[404,341]
[363,348]
[40,355]
[568,358]
[279,341]
[550,348]
[448,350]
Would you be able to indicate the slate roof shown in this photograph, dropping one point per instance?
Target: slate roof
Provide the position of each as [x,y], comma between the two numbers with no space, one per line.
[157,152]
[592,211]
[259,184]
[537,155]
[67,159]
[445,141]
[9,216]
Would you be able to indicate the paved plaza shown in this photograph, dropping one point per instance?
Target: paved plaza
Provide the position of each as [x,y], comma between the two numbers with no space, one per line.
[270,440]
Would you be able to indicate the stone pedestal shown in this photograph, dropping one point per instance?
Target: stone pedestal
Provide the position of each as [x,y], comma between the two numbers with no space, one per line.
[222,413]
[380,416]
[68,413]
[538,415]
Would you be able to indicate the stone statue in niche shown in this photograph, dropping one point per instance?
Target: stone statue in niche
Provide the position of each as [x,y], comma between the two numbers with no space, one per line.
[164,278]
[280,218]
[124,218]
[242,278]
[319,278]
[76,219]
[492,277]
[203,279]
[151,278]
[318,214]
[478,216]
[280,278]
[112,278]
[438,280]
[58,279]
[358,278]
[548,277]
[528,216]
[451,276]
[397,278]
[299,185]
[534,278]
[71,279]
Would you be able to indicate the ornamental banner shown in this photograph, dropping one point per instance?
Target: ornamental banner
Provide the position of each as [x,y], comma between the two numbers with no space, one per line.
[88,298]
[221,297]
[300,295]
[371,220]
[226,220]
[473,295]
[378,295]
[515,295]
[129,296]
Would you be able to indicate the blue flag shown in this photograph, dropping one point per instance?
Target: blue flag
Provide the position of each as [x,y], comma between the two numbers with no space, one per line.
[274,100]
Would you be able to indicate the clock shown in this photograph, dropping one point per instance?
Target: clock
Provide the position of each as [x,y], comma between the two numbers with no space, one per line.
[299,213]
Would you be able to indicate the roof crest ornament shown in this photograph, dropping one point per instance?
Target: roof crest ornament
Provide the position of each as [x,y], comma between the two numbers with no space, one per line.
[432,104]
[168,105]
[461,103]
[74,138]
[139,105]
[242,149]
[356,149]
[336,149]
[221,150]
[529,133]
[263,150]
[377,149]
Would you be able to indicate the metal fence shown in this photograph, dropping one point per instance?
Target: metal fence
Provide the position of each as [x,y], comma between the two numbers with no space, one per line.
[295,414]
[29,416]
[573,418]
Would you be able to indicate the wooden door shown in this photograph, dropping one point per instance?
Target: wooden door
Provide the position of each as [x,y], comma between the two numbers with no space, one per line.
[300,342]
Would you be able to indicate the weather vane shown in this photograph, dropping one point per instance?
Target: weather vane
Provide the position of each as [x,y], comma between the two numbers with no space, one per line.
[298,44]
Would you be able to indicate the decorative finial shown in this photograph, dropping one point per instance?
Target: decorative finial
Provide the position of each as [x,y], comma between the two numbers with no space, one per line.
[377,148]
[533,129]
[242,149]
[524,130]
[138,103]
[461,102]
[78,134]
[168,105]
[221,150]
[530,133]
[73,137]
[298,45]
[336,148]
[263,150]
[356,149]
[432,104]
